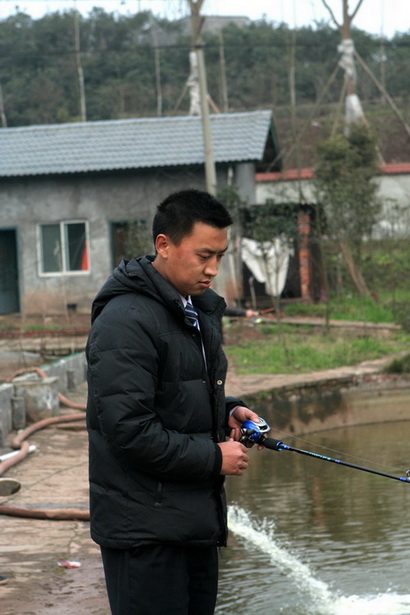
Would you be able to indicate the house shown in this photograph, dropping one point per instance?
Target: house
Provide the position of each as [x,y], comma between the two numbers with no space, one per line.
[393,189]
[68,190]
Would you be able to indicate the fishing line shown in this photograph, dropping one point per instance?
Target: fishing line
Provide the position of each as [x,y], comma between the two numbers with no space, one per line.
[255,433]
[336,451]
[325,448]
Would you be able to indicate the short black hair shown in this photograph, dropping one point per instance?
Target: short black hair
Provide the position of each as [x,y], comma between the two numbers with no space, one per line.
[178,213]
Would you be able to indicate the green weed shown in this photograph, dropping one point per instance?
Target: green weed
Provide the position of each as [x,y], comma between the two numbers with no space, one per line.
[309,350]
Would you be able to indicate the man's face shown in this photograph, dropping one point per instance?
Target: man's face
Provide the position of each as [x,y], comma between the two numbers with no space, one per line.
[191,266]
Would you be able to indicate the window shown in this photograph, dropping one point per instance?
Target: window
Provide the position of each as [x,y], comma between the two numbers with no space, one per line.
[64,248]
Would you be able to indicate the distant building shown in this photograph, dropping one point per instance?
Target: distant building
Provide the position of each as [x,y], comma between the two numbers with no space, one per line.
[68,191]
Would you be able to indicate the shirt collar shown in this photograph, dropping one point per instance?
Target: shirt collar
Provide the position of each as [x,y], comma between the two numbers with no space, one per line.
[186,300]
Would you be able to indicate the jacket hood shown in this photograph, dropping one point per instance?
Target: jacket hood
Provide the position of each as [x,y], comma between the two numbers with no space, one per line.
[139,276]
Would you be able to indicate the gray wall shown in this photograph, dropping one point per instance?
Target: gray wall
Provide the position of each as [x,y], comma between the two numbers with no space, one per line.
[393,191]
[99,200]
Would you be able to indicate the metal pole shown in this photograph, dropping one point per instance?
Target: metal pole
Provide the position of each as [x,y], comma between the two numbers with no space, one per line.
[206,125]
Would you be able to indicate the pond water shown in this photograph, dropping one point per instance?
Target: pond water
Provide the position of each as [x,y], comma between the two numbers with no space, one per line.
[312,537]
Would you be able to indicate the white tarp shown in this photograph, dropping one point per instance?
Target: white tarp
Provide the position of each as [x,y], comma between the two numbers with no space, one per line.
[353,107]
[193,85]
[346,48]
[268,262]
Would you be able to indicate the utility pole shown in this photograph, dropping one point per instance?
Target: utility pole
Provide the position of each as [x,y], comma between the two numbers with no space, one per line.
[223,72]
[80,71]
[198,47]
[154,32]
[2,112]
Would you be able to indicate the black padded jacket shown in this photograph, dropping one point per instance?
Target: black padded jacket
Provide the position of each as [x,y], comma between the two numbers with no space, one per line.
[155,412]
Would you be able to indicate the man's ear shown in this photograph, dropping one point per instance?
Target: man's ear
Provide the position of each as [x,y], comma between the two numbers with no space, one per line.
[162,245]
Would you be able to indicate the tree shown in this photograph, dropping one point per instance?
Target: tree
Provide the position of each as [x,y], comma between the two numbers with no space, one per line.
[353,108]
[345,191]
[274,229]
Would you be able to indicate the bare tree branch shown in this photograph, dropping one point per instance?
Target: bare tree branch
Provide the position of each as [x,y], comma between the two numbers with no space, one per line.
[332,15]
[347,17]
[196,19]
[353,15]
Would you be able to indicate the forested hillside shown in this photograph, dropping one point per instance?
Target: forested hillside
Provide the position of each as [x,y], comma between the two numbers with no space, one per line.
[138,66]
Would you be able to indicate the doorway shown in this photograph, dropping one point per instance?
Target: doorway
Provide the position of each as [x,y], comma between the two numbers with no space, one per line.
[9,291]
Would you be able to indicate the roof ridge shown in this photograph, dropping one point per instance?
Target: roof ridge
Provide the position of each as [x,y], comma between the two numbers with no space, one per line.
[133,120]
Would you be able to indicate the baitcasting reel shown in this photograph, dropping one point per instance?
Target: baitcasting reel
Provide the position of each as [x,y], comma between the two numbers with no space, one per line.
[253,432]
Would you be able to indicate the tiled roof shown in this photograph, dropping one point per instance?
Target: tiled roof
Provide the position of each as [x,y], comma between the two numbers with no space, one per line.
[131,144]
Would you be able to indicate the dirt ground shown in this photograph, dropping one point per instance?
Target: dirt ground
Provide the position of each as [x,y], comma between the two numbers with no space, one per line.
[36,340]
[53,478]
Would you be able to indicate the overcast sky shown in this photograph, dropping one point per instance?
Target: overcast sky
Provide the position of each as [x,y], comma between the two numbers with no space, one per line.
[375,16]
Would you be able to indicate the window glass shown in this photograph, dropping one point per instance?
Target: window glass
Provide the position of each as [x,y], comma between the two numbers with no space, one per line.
[51,248]
[64,247]
[76,247]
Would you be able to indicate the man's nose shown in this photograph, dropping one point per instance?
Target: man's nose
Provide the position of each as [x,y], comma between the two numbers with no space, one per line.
[212,266]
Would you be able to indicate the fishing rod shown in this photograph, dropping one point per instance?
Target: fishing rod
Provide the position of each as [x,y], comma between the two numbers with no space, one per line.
[255,433]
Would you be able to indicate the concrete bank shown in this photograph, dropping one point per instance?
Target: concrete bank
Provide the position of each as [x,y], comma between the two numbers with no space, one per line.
[295,403]
[342,397]
[299,402]
[29,396]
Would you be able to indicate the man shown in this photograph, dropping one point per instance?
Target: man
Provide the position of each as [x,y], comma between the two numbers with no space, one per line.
[158,418]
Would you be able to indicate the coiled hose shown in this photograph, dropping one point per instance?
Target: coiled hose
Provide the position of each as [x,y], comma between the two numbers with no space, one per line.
[21,444]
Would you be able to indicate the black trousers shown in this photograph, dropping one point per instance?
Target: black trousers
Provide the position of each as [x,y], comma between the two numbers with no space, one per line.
[161,580]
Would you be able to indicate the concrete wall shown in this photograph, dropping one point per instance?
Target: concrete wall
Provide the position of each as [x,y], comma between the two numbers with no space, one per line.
[99,200]
[6,425]
[245,180]
[70,372]
[393,190]
[330,404]
[29,398]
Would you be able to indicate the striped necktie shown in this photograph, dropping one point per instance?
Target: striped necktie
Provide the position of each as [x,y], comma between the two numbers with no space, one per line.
[191,315]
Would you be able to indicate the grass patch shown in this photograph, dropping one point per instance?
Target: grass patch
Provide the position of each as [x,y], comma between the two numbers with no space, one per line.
[352,308]
[42,328]
[305,350]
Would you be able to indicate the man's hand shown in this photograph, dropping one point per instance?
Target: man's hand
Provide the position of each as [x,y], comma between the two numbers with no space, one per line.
[234,457]
[239,416]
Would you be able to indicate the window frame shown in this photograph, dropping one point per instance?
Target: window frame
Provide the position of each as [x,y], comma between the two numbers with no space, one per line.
[63,226]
